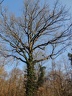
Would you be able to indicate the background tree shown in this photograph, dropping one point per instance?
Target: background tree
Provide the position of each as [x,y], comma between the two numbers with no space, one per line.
[3,76]
[37,35]
[41,76]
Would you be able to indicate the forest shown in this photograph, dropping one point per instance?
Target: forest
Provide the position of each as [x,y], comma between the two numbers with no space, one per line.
[56,82]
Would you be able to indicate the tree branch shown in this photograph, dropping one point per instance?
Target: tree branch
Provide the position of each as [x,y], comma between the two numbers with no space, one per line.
[1,1]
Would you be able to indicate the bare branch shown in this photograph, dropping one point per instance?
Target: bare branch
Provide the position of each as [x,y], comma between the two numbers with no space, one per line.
[1,1]
[24,34]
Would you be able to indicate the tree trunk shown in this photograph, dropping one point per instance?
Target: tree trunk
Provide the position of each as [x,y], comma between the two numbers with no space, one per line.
[30,86]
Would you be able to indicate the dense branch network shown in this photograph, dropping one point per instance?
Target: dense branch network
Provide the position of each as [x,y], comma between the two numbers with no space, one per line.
[24,34]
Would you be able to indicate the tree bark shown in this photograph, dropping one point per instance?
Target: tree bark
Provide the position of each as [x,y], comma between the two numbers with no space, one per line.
[30,86]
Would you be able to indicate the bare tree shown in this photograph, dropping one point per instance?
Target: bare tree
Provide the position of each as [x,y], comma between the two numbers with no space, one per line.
[36,36]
